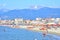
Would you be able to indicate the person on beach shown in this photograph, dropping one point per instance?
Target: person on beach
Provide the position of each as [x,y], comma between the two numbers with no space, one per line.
[44,29]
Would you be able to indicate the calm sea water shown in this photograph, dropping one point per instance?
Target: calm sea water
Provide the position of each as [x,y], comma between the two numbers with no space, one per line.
[7,33]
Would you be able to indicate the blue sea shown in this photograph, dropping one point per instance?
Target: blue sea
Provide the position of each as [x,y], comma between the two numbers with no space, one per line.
[7,33]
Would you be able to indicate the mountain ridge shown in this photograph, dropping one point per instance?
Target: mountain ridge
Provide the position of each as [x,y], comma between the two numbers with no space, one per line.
[31,13]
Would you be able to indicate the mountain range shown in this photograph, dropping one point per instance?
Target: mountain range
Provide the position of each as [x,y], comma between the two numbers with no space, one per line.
[30,13]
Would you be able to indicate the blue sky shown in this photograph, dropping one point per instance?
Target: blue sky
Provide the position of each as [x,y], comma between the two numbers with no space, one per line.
[21,4]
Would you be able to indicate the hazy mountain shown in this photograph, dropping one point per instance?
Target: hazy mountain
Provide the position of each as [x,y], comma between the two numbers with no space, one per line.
[32,13]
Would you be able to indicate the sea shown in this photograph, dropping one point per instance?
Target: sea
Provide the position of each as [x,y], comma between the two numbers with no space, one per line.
[7,33]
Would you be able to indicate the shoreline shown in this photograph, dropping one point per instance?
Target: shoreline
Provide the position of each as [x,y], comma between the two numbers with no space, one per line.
[50,31]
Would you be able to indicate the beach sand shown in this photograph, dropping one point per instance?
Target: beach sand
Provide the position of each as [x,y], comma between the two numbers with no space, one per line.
[36,29]
[50,31]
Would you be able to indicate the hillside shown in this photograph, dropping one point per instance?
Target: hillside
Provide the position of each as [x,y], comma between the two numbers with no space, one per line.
[32,13]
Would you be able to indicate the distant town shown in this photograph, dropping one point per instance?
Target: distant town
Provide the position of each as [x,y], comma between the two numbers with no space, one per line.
[52,24]
[38,22]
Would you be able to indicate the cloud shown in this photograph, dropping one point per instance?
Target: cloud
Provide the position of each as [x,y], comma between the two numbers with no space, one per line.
[3,5]
[35,7]
[0,4]
[54,6]
[42,6]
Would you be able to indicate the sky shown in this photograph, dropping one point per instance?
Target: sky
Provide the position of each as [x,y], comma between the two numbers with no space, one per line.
[22,4]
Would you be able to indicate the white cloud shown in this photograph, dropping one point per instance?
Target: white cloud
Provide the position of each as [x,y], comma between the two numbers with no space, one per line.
[0,4]
[54,6]
[4,5]
[35,7]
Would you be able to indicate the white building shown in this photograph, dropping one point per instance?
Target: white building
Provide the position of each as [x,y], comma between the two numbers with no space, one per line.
[18,20]
[38,19]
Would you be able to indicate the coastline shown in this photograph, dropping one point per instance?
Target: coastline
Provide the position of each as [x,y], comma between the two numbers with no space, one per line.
[50,31]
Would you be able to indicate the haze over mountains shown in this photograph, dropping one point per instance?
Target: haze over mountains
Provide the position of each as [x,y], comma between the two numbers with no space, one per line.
[30,13]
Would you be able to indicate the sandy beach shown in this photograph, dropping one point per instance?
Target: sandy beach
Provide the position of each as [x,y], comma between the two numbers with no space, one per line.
[50,31]
[36,29]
